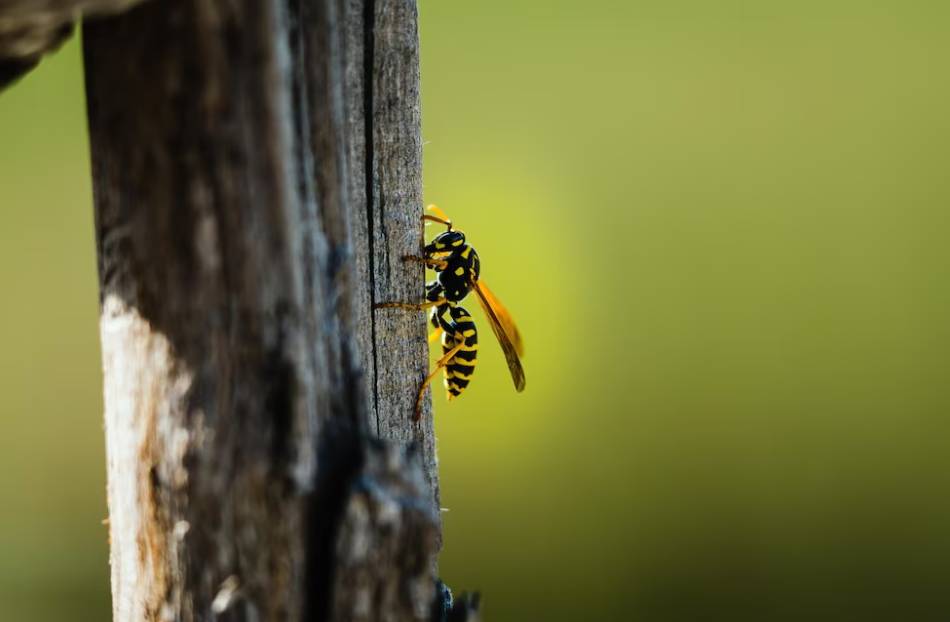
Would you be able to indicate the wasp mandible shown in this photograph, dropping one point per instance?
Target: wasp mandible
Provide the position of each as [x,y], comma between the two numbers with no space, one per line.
[457,273]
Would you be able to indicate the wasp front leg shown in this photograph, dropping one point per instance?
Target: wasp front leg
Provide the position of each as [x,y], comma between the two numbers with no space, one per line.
[429,262]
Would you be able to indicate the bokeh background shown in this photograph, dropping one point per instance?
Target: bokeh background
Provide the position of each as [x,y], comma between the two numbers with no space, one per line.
[723,228]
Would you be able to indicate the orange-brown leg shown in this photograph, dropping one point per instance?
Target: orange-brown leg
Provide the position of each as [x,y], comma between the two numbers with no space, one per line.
[442,362]
[435,264]
[414,306]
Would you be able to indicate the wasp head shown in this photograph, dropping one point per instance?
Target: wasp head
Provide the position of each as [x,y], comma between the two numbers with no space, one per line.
[446,242]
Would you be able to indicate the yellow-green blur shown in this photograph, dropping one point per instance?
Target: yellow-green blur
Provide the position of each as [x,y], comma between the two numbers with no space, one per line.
[723,231]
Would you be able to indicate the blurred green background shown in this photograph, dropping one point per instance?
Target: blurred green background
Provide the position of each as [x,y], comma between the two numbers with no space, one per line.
[723,228]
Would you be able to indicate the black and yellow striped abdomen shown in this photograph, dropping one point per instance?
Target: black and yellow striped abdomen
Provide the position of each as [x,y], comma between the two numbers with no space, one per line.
[459,369]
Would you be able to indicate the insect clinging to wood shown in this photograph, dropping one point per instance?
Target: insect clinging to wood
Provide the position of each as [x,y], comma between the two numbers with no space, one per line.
[457,270]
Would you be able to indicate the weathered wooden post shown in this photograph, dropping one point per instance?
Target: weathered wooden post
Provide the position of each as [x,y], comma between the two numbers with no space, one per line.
[257,177]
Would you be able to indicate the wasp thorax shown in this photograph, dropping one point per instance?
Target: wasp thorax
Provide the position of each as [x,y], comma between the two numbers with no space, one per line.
[459,272]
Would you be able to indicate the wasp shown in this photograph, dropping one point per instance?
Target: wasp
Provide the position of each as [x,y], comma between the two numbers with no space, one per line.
[457,269]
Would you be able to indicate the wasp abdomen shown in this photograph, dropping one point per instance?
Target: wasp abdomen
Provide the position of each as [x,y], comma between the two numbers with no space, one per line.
[459,368]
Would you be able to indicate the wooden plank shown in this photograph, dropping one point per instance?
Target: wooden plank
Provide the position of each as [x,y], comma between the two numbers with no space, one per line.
[383,75]
[238,261]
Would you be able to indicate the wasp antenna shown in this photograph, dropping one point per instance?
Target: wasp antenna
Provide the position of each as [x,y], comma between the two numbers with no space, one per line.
[438,216]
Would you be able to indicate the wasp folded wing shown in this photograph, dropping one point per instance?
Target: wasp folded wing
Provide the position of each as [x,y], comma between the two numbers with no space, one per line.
[504,318]
[490,305]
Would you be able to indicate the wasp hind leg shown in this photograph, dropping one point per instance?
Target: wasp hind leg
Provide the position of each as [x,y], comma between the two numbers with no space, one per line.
[442,362]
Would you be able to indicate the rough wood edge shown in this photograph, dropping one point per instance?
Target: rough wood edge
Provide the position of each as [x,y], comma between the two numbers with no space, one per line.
[382,76]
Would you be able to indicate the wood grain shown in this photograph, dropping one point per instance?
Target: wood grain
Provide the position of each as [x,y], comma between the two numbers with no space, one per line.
[256,168]
[394,191]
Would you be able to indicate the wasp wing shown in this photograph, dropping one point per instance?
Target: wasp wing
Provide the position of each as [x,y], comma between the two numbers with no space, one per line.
[504,318]
[511,353]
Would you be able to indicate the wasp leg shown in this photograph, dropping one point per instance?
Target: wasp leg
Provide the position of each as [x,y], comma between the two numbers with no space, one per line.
[437,319]
[435,264]
[417,306]
[442,362]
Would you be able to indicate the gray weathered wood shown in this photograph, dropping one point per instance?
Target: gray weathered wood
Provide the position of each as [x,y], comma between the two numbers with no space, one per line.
[256,170]
[383,70]
[383,566]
